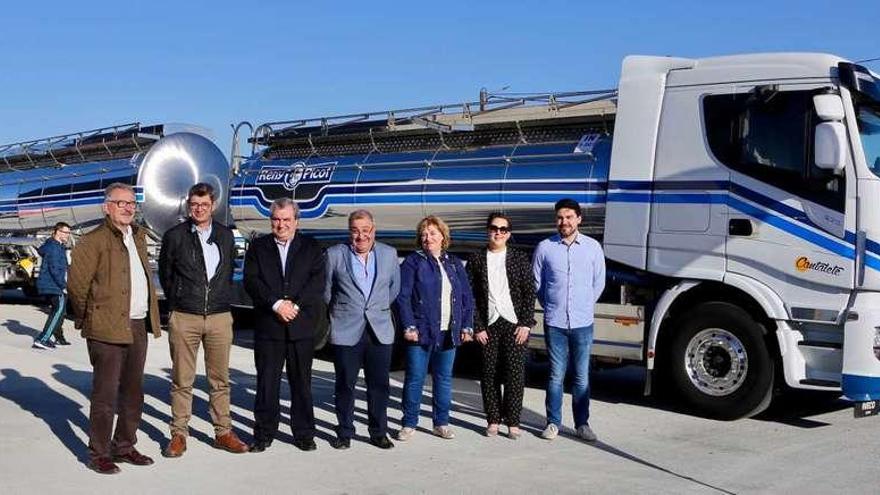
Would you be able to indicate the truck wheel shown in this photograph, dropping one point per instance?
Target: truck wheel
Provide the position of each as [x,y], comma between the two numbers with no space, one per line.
[719,361]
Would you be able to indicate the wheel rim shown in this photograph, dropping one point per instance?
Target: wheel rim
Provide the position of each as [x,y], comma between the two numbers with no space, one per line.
[716,362]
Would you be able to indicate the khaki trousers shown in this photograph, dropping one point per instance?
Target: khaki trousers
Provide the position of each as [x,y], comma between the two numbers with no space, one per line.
[187,333]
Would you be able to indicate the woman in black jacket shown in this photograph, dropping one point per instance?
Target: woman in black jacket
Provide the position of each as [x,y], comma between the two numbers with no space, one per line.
[504,313]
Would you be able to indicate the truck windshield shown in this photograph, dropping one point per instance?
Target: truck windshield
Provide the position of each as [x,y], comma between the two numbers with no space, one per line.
[869,132]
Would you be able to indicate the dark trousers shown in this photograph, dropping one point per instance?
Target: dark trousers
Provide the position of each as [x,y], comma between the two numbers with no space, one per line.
[270,357]
[375,358]
[503,364]
[117,389]
[55,319]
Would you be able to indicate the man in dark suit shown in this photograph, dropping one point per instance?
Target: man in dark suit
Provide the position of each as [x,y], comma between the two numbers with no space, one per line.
[284,275]
[363,279]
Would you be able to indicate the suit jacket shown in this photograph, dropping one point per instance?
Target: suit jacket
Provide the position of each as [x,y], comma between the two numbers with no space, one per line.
[303,283]
[519,277]
[350,310]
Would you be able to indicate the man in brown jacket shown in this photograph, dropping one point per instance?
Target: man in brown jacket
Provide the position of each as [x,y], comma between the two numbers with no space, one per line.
[112,295]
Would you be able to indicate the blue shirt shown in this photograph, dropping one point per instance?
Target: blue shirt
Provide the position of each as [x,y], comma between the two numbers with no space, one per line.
[364,271]
[569,280]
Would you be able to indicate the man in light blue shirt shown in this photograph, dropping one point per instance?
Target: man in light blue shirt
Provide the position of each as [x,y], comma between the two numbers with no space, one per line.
[569,271]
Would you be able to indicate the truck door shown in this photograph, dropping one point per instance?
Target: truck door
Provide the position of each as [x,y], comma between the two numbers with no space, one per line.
[788,224]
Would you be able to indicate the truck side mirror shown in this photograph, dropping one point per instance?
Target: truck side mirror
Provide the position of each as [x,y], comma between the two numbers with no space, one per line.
[830,145]
[828,107]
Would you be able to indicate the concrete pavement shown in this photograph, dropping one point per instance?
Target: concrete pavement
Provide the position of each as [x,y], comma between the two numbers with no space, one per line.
[809,445]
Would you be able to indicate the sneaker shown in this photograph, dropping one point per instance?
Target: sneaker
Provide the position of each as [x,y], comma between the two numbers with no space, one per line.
[444,432]
[550,432]
[43,345]
[586,434]
[405,433]
[60,340]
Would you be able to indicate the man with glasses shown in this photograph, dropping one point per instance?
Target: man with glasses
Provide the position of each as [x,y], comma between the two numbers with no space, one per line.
[52,283]
[196,264]
[115,304]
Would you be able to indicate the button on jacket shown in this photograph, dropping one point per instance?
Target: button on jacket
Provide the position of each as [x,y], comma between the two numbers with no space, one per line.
[418,303]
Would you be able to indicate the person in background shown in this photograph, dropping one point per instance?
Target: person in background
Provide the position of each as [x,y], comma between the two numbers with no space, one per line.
[436,310]
[284,275]
[569,272]
[196,264]
[52,283]
[115,303]
[363,279]
[504,314]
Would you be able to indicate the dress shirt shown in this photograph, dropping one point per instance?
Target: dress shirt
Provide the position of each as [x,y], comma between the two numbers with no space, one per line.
[139,300]
[364,271]
[210,251]
[569,280]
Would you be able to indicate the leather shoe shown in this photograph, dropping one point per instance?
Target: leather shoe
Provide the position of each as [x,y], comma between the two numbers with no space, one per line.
[340,443]
[103,465]
[133,457]
[176,447]
[305,444]
[258,446]
[382,442]
[230,443]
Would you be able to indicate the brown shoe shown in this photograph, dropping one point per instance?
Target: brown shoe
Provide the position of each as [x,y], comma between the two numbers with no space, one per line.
[103,465]
[230,443]
[176,447]
[133,457]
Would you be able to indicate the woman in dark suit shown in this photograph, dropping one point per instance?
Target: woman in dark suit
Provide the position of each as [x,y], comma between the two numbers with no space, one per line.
[436,310]
[504,313]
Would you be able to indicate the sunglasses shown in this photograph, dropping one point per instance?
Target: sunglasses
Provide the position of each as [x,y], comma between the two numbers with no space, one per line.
[499,228]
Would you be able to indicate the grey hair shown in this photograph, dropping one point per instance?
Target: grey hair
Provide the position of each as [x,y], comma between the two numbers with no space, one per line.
[108,191]
[360,214]
[281,203]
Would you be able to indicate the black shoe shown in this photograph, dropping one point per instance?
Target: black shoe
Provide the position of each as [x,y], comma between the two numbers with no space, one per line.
[382,442]
[340,443]
[259,446]
[60,340]
[305,444]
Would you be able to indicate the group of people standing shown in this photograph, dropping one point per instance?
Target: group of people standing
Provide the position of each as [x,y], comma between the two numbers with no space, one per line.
[439,303]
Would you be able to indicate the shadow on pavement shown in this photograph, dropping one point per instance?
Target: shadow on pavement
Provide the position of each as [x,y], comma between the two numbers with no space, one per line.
[60,413]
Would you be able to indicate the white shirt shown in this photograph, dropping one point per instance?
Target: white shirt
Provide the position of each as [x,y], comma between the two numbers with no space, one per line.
[445,299]
[283,247]
[500,303]
[139,300]
[210,252]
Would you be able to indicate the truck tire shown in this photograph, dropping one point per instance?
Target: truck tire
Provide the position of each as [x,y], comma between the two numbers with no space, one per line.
[719,361]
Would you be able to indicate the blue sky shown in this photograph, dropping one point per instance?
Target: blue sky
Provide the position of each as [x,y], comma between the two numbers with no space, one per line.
[72,66]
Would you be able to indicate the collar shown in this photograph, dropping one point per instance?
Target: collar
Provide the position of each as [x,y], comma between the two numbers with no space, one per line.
[194,228]
[558,239]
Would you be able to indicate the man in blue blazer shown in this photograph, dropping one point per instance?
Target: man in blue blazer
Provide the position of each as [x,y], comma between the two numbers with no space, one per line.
[363,278]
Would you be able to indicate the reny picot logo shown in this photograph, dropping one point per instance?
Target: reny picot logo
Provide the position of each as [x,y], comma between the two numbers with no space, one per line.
[296,174]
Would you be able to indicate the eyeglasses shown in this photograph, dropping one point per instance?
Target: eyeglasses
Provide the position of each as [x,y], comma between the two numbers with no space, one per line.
[200,206]
[121,203]
[499,228]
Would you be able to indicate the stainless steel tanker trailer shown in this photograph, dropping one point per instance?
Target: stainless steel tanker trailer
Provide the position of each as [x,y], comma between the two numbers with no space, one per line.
[62,178]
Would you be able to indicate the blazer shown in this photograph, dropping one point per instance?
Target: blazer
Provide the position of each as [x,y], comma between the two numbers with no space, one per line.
[350,310]
[303,284]
[418,303]
[519,277]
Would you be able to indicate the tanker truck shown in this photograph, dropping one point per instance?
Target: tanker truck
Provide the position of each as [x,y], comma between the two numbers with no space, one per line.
[735,198]
[62,178]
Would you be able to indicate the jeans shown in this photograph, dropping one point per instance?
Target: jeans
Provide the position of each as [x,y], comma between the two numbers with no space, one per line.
[418,357]
[564,344]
